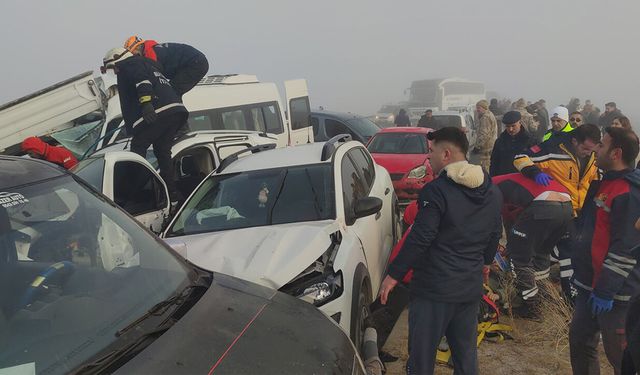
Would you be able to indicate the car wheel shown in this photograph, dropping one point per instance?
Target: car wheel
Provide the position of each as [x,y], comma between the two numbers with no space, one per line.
[359,316]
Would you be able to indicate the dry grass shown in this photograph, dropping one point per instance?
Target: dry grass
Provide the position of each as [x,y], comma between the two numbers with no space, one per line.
[555,314]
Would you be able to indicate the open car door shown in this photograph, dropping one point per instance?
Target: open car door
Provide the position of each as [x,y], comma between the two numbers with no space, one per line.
[131,182]
[299,112]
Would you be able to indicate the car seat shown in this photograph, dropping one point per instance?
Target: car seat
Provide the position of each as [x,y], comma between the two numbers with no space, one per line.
[192,175]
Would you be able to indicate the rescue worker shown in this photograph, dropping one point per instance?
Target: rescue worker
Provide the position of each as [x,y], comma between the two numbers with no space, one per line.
[427,120]
[559,119]
[569,159]
[514,140]
[182,64]
[631,356]
[607,275]
[486,135]
[402,119]
[575,119]
[458,219]
[535,218]
[39,149]
[151,109]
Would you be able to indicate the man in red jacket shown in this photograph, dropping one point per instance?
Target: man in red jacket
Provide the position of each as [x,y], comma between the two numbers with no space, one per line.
[37,148]
[535,218]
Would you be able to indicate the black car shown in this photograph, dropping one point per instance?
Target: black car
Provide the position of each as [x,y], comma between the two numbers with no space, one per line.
[86,289]
[327,125]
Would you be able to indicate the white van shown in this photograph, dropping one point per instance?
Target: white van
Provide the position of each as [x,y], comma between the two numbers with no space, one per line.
[237,103]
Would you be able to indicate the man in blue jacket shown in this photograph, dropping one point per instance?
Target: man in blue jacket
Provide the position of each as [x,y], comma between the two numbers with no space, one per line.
[606,272]
[151,109]
[456,232]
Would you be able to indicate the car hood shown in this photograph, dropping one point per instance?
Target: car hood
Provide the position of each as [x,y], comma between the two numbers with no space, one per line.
[399,163]
[270,255]
[241,328]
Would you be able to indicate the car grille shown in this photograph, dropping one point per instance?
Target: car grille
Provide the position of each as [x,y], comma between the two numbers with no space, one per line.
[396,176]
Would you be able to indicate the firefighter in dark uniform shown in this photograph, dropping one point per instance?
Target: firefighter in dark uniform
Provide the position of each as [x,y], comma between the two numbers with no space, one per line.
[535,218]
[151,109]
[606,269]
[182,64]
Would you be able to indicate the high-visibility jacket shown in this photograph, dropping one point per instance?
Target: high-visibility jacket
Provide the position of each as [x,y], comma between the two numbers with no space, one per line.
[567,128]
[556,159]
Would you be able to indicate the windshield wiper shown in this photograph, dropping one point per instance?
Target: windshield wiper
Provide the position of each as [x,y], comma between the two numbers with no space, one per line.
[162,307]
[110,358]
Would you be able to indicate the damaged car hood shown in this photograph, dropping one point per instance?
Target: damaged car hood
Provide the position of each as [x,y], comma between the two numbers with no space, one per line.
[270,255]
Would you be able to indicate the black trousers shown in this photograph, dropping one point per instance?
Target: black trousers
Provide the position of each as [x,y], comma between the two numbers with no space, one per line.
[531,240]
[386,316]
[631,357]
[429,321]
[584,336]
[189,75]
[563,255]
[160,134]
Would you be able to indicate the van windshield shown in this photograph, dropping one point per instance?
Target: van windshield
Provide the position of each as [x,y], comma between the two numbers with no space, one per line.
[74,269]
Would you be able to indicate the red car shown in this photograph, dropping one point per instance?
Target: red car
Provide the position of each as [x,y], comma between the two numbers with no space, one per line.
[403,152]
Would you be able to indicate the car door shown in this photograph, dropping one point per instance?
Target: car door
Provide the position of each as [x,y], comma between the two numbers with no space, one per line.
[132,183]
[299,112]
[356,183]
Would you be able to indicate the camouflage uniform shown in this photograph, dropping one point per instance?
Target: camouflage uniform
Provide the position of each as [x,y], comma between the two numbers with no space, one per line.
[527,120]
[486,136]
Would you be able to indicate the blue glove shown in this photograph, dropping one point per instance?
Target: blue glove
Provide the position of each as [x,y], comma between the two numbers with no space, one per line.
[600,305]
[543,179]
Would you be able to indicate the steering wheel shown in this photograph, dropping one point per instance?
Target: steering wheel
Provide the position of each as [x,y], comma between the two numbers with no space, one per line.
[41,279]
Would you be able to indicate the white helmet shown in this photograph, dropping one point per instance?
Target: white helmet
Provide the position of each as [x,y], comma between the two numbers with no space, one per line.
[114,56]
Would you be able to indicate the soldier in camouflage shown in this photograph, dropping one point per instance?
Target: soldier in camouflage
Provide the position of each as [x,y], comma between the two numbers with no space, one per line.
[487,133]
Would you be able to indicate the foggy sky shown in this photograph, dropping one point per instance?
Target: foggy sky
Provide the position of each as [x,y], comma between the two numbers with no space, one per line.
[356,55]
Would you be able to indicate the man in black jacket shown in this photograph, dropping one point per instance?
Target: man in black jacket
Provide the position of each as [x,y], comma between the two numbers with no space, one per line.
[181,63]
[514,140]
[456,232]
[151,109]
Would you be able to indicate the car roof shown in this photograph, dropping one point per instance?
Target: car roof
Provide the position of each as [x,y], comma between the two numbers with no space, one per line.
[310,153]
[338,115]
[18,171]
[405,129]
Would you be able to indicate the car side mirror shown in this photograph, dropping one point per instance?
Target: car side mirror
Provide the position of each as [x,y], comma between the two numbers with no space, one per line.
[367,206]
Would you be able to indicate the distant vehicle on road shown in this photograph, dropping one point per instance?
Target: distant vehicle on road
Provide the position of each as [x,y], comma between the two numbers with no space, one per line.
[88,290]
[315,221]
[386,115]
[403,152]
[445,94]
[327,125]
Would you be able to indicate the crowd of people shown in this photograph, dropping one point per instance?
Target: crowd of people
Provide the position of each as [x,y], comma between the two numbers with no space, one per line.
[563,186]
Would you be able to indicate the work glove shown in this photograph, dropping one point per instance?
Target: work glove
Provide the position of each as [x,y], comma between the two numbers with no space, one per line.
[543,179]
[149,113]
[600,305]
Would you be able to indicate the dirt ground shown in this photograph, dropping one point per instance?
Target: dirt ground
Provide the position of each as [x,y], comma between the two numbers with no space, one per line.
[522,355]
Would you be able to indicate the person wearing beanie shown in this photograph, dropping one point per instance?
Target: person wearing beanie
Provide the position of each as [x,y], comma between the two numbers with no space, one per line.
[38,149]
[559,119]
[514,140]
[487,130]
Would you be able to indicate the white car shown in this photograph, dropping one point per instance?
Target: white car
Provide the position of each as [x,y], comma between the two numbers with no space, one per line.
[316,221]
[135,184]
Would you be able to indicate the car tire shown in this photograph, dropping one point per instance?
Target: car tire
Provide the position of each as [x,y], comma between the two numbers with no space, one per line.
[359,314]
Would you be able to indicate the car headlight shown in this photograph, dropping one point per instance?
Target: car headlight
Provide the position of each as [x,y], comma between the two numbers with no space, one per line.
[390,118]
[418,172]
[320,292]
[318,289]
